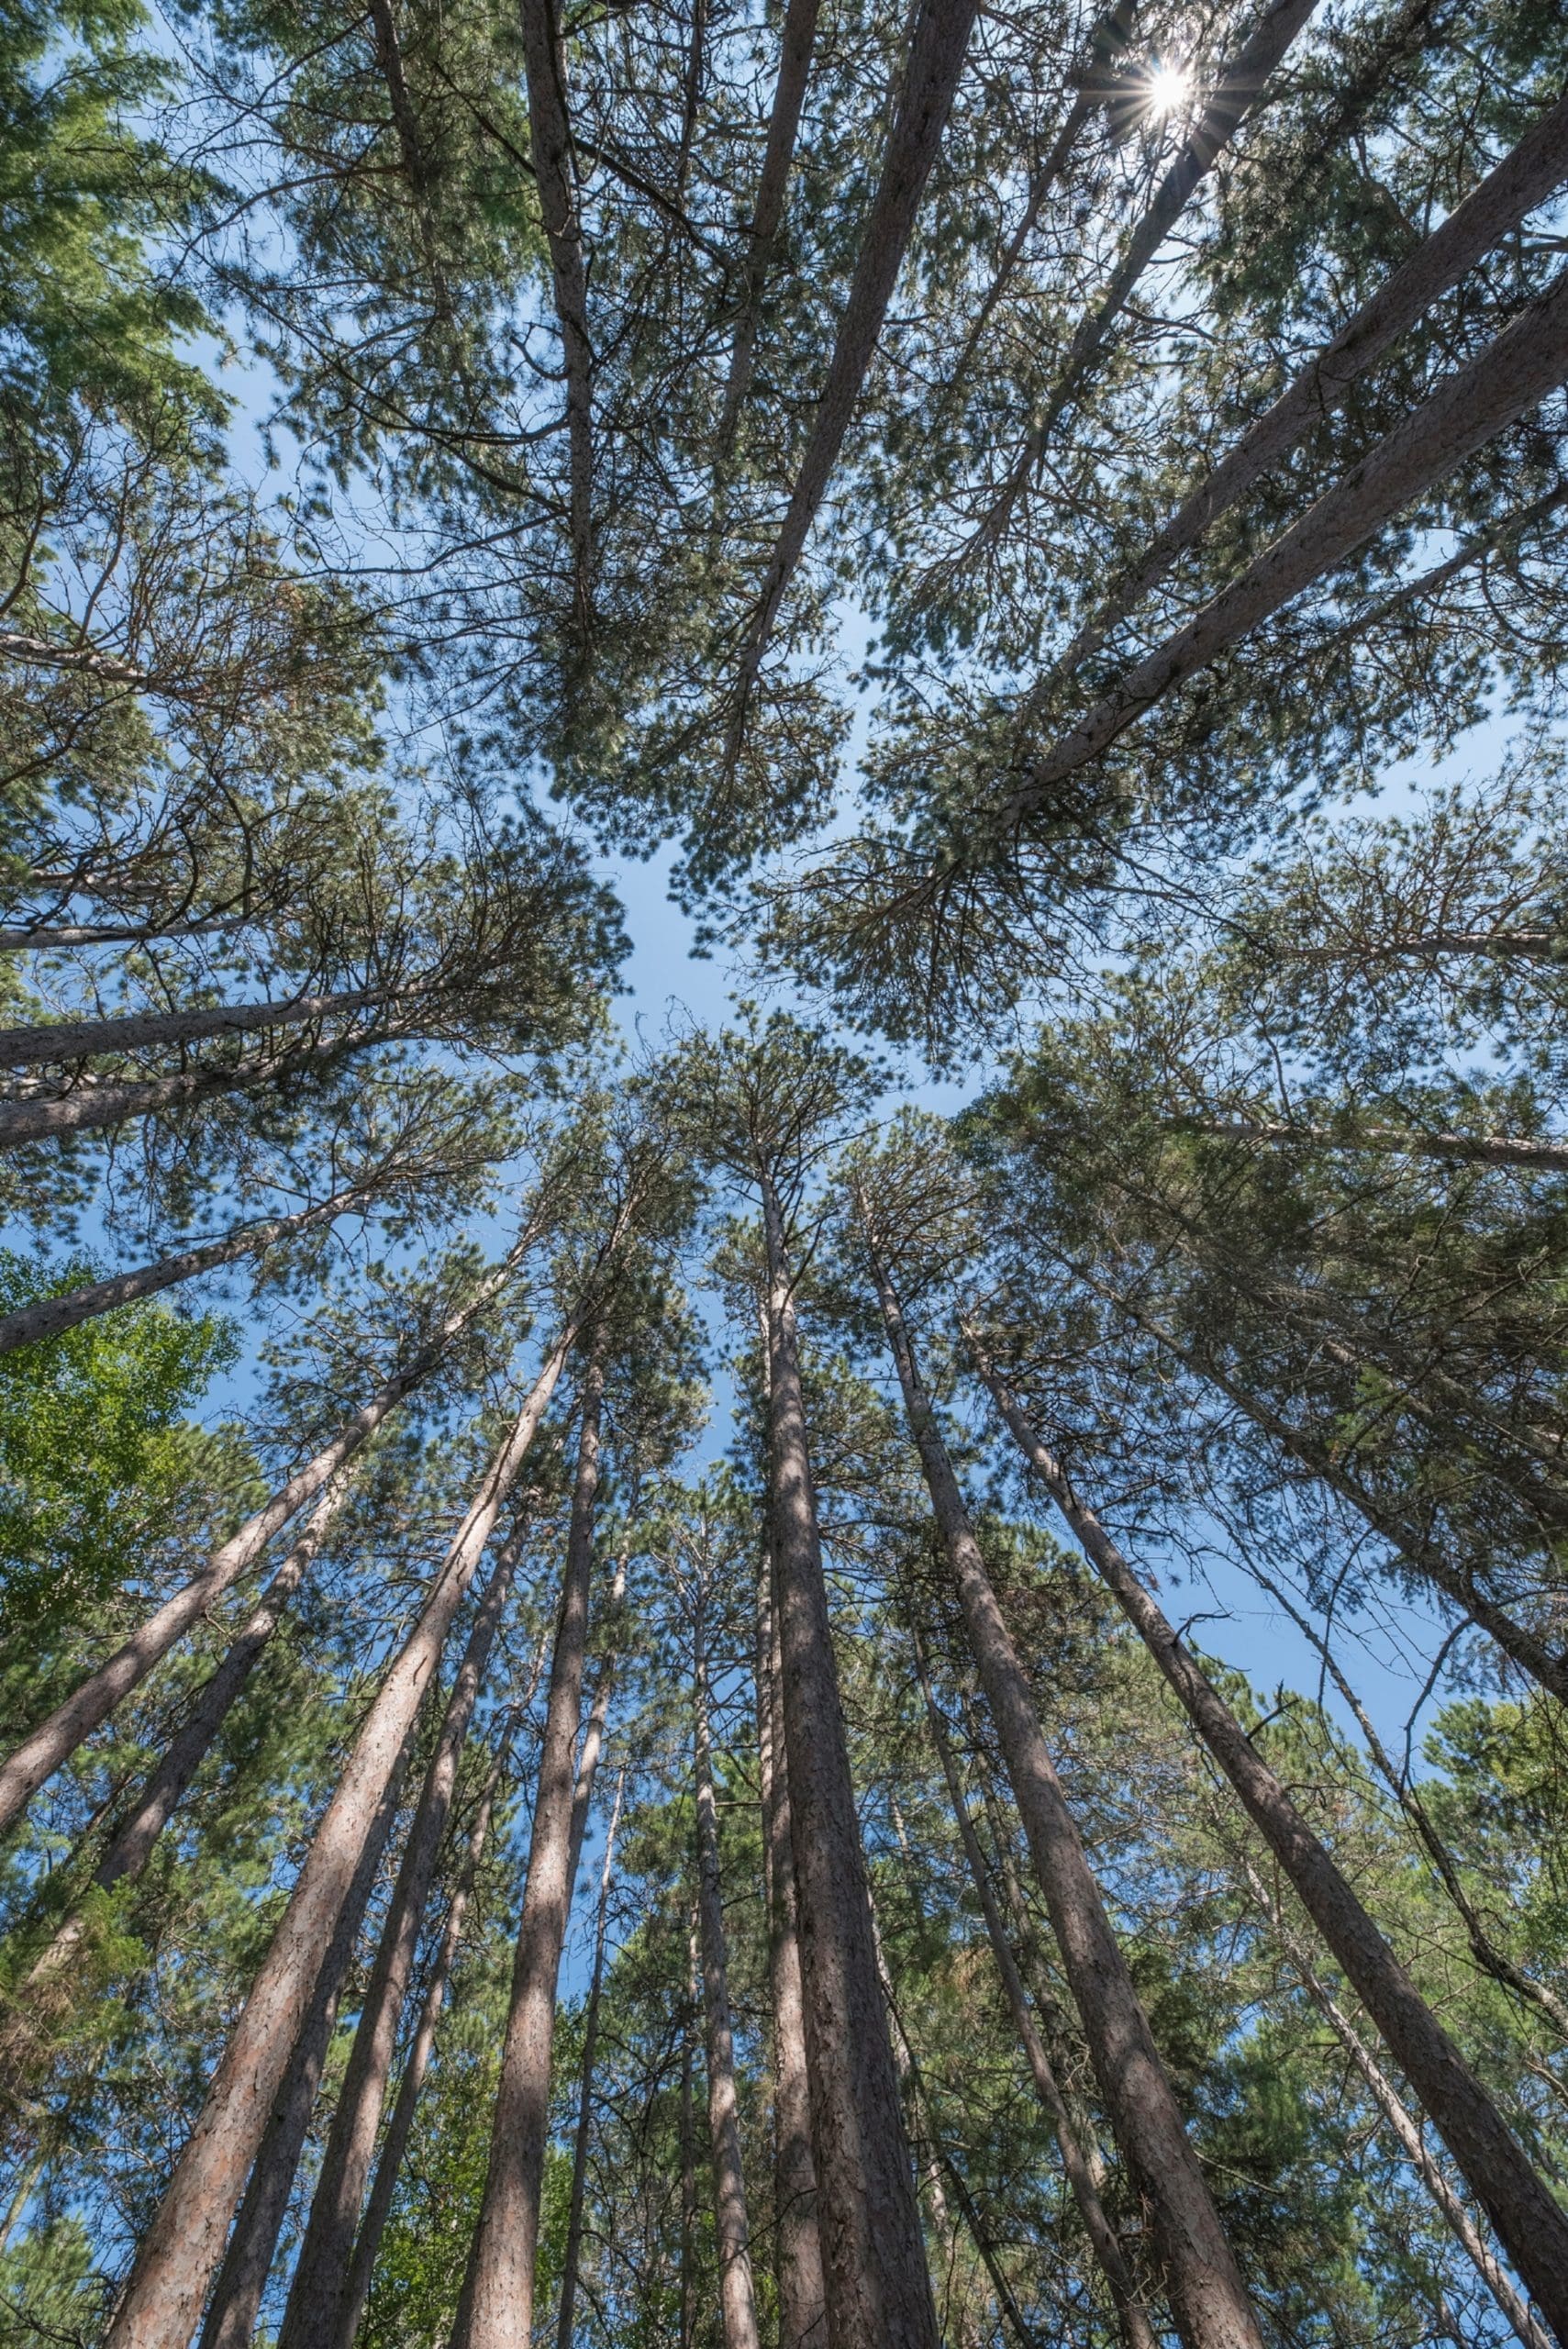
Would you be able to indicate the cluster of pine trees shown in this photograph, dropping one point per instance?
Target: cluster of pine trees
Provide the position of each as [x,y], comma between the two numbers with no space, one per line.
[617,1723]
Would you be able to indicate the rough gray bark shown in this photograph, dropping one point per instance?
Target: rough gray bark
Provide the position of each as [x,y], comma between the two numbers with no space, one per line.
[372,2226]
[186,2241]
[874,2258]
[98,1102]
[1136,2331]
[1545,1157]
[48,1316]
[574,2255]
[42,1752]
[1508,379]
[76,1040]
[131,1845]
[593,1745]
[797,2253]
[688,2156]
[1234,98]
[1524,179]
[498,2292]
[236,2303]
[937,41]
[311,2316]
[1405,2127]
[795,44]
[1530,2225]
[1198,2271]
[732,2229]
[555,177]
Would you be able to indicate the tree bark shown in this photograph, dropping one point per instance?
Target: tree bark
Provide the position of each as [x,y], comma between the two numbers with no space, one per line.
[1238,96]
[593,1744]
[311,2316]
[1524,179]
[731,2221]
[874,2258]
[798,2252]
[937,41]
[236,2303]
[573,2256]
[498,2292]
[97,1103]
[1136,2330]
[186,2241]
[795,45]
[1480,1150]
[1468,408]
[48,1316]
[555,177]
[52,1042]
[1405,2129]
[688,2160]
[54,1741]
[1209,2301]
[1530,2225]
[372,2226]
[132,1844]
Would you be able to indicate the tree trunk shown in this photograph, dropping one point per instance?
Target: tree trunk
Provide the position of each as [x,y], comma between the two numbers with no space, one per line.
[1208,2300]
[310,2319]
[1136,2330]
[592,1743]
[732,2222]
[585,2099]
[186,2238]
[48,1316]
[498,2293]
[1524,179]
[873,2257]
[1468,408]
[93,1700]
[795,44]
[132,1844]
[1405,2129]
[1479,1150]
[235,2302]
[1425,1558]
[555,178]
[356,2290]
[688,2162]
[1530,2225]
[51,1041]
[1237,95]
[797,2253]
[937,41]
[89,1106]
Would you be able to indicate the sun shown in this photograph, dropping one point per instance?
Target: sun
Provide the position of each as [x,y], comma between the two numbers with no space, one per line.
[1169,87]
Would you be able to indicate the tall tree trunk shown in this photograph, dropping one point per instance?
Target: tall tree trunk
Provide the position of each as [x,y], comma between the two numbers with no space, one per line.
[186,2238]
[797,2253]
[1426,1558]
[732,2222]
[938,38]
[1235,97]
[688,2157]
[1208,2300]
[795,43]
[236,2303]
[1136,2330]
[1524,179]
[372,2226]
[1405,2129]
[593,1745]
[573,2256]
[498,2292]
[132,1842]
[48,1316]
[1468,408]
[98,1102]
[51,1041]
[1531,1151]
[1531,2224]
[93,1700]
[310,2318]
[873,2256]
[555,177]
